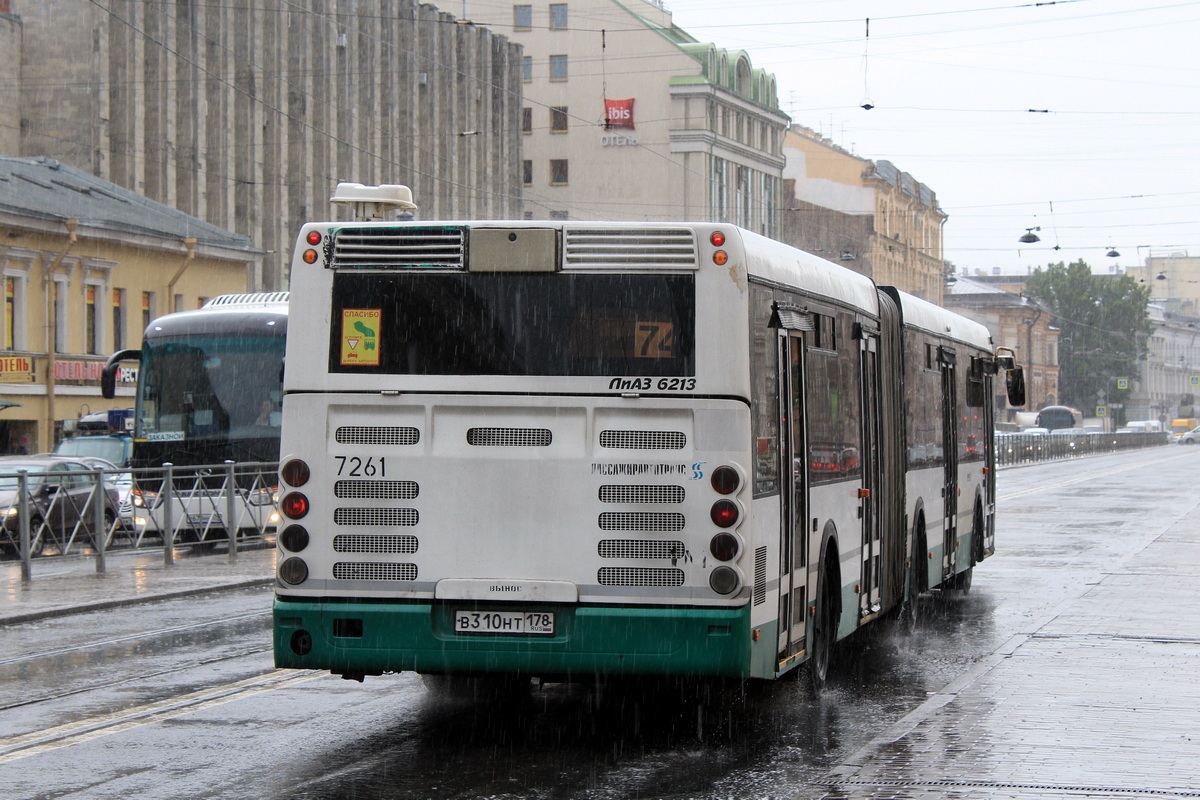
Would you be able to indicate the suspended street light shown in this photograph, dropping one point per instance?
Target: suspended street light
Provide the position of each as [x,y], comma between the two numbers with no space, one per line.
[1030,237]
[1112,253]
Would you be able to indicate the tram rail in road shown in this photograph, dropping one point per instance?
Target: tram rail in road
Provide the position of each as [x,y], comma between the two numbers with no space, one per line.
[17,747]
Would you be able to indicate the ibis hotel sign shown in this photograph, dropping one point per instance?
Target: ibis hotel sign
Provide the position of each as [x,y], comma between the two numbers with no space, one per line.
[618,124]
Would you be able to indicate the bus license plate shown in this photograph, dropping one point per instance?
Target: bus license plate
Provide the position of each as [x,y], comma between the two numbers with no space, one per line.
[537,623]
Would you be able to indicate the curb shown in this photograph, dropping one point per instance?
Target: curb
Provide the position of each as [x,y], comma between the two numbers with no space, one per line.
[102,605]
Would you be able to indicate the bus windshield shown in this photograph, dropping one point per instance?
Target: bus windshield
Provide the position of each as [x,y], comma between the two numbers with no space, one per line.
[202,387]
[556,324]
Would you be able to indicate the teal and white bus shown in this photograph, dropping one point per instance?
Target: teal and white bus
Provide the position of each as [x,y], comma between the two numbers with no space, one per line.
[578,451]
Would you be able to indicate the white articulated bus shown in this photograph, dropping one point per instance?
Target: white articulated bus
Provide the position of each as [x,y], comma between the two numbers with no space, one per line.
[576,450]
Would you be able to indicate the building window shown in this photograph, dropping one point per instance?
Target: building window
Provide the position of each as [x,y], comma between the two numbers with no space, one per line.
[527,173]
[558,119]
[558,68]
[522,18]
[742,199]
[558,171]
[10,311]
[118,319]
[767,224]
[527,69]
[558,16]
[560,215]
[60,316]
[14,312]
[527,120]
[720,194]
[91,320]
[147,309]
[527,215]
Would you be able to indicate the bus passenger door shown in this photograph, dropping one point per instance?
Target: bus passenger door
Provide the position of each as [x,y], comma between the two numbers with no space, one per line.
[793,566]
[989,445]
[869,461]
[947,364]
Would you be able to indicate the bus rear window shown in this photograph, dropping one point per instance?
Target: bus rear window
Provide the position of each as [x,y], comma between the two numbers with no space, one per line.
[546,324]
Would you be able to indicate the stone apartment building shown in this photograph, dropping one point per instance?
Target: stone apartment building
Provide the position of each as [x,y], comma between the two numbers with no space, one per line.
[627,117]
[247,115]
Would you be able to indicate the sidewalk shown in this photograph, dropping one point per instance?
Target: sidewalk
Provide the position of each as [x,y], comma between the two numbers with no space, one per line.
[1101,699]
[69,585]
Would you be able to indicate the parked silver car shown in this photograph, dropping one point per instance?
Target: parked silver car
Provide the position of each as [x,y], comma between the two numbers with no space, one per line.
[61,493]
[1191,437]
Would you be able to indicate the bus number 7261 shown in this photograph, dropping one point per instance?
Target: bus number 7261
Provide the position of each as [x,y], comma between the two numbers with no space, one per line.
[357,467]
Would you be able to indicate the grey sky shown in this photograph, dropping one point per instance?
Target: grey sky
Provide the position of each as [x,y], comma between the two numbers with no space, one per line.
[1108,158]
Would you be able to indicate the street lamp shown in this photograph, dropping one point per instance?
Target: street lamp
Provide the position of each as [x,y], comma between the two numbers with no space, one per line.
[1030,237]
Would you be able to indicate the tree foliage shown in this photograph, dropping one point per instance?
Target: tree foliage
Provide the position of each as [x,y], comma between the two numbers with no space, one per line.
[1105,326]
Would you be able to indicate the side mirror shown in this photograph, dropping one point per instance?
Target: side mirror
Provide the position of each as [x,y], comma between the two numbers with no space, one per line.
[1014,381]
[108,378]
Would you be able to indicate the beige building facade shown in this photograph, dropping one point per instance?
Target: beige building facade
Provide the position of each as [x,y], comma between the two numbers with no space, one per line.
[1174,281]
[86,266]
[866,215]
[626,117]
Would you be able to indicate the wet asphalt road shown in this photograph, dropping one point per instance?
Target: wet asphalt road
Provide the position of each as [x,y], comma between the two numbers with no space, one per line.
[177,699]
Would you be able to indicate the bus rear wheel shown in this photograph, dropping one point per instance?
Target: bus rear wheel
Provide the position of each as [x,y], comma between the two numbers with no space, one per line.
[824,623]
[910,606]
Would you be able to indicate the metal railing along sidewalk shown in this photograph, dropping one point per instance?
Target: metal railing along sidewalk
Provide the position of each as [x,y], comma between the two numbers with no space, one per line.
[102,510]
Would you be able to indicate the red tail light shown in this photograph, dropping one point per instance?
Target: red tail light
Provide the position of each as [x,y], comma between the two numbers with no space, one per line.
[725,480]
[294,505]
[295,472]
[723,546]
[724,513]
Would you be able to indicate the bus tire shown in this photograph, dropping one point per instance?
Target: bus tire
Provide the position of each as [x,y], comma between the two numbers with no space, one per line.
[824,623]
[910,608]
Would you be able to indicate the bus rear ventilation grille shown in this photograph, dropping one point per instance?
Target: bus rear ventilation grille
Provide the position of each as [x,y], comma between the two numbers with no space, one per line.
[639,576]
[367,571]
[640,521]
[643,440]
[631,493]
[365,543]
[639,548]
[509,437]
[760,576]
[612,247]
[361,434]
[378,517]
[398,248]
[376,490]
